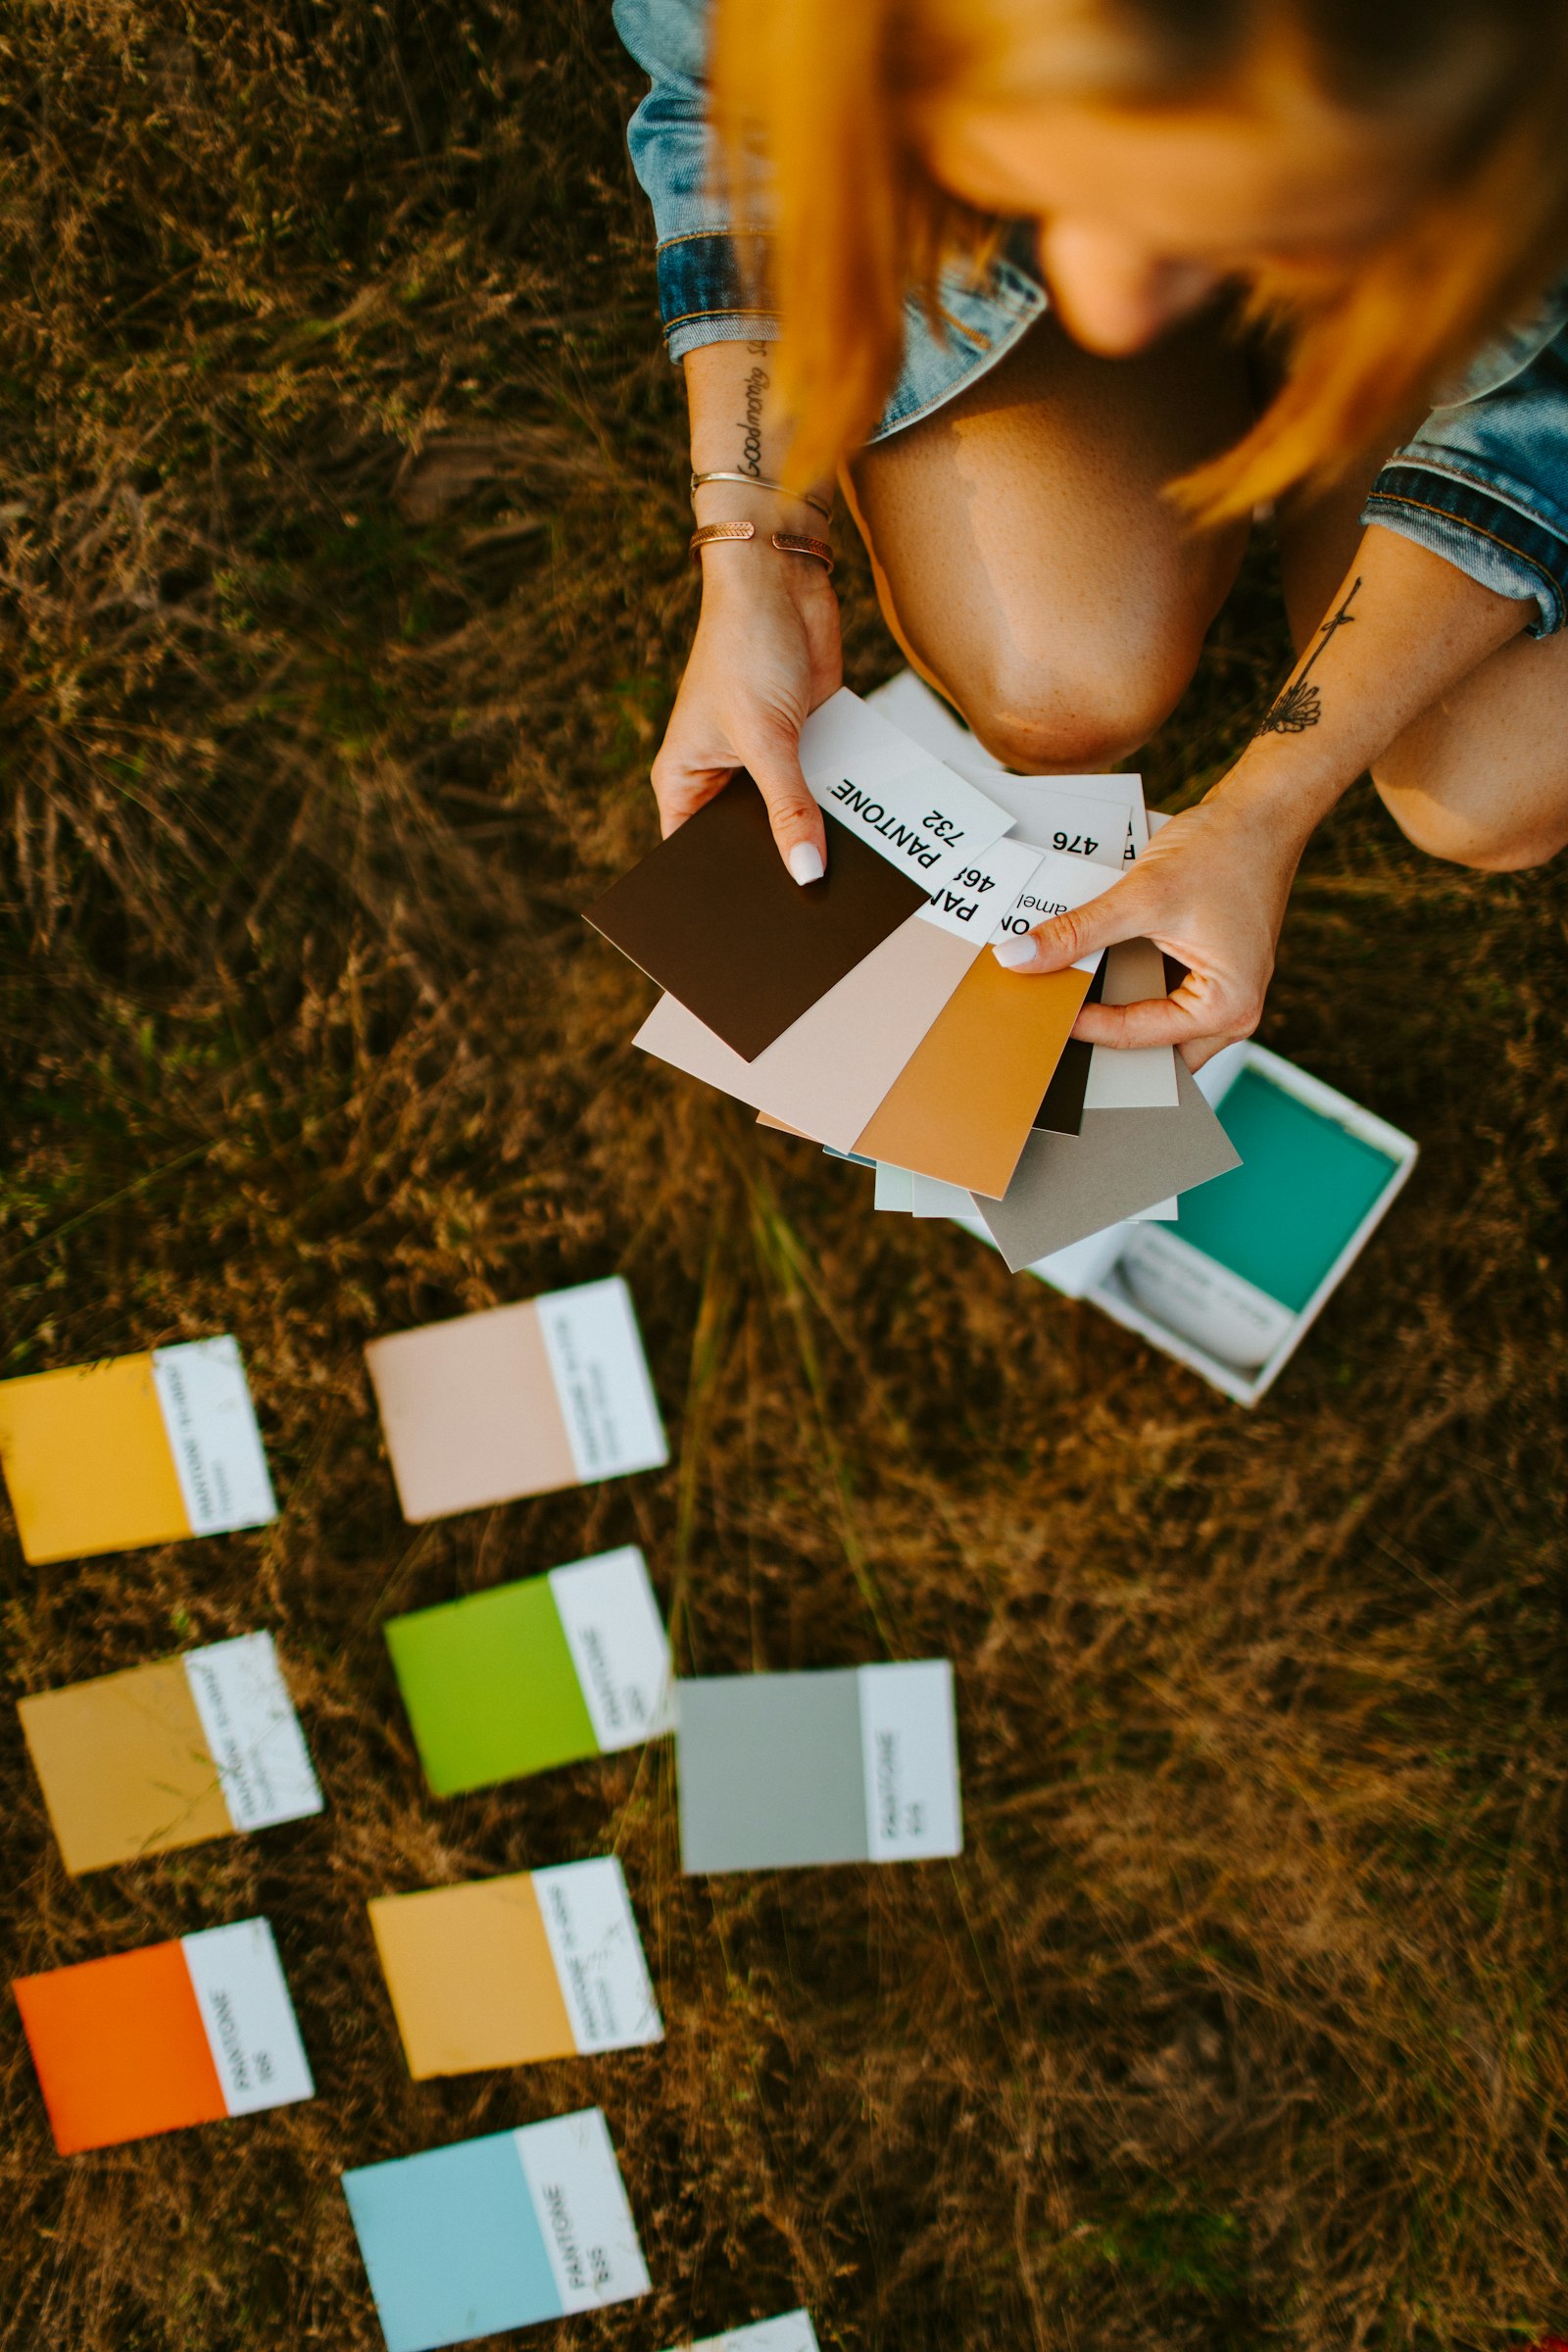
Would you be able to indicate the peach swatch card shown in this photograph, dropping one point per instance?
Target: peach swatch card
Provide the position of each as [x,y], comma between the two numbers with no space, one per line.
[169,1754]
[156,2039]
[135,1450]
[515,1400]
[503,1972]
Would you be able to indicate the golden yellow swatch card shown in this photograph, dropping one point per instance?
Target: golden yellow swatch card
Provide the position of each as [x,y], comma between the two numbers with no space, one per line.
[503,1971]
[139,1449]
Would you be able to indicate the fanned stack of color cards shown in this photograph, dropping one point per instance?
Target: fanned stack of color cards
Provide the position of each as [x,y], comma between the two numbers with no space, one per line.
[880,1028]
[863,1010]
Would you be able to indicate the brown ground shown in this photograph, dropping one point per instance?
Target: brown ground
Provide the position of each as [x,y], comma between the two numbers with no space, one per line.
[344,591]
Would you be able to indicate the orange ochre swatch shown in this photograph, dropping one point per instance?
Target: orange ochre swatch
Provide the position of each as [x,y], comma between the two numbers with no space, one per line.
[964,1102]
[120,2049]
[472,1976]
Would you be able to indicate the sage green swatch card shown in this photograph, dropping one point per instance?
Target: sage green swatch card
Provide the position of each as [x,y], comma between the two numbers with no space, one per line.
[531,1675]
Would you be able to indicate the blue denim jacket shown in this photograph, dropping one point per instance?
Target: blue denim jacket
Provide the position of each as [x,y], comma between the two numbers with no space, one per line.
[1484,483]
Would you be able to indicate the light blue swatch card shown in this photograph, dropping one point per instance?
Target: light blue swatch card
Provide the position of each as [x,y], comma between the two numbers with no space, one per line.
[504,2231]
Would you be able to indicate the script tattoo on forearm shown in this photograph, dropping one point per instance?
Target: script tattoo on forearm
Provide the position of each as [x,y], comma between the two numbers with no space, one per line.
[752,430]
[1300,705]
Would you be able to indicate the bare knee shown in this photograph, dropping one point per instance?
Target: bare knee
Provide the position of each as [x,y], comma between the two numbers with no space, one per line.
[1467,832]
[1052,715]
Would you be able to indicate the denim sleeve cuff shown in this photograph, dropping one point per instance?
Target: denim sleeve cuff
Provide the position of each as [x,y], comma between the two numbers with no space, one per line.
[703,296]
[1492,541]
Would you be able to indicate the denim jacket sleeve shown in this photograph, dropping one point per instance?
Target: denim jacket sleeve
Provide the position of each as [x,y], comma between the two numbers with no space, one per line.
[702,288]
[702,291]
[1484,482]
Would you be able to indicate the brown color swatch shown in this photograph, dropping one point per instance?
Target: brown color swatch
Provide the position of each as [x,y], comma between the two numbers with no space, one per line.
[830,1069]
[470,1412]
[714,918]
[962,1108]
[124,1766]
[472,1976]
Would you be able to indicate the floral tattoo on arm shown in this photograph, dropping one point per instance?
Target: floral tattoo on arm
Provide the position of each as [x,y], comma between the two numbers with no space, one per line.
[1300,705]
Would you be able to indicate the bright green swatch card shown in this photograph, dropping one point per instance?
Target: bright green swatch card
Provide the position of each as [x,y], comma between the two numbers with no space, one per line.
[1281,1219]
[530,1675]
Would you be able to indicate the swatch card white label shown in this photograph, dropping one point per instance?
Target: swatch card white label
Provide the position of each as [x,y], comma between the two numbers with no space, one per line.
[240,1991]
[909,1753]
[598,1954]
[1058,885]
[974,901]
[791,2332]
[253,1734]
[206,1404]
[617,1638]
[583,2215]
[901,802]
[1204,1302]
[601,1376]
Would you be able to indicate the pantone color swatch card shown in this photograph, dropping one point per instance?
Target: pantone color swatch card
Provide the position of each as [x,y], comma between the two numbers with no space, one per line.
[791,2332]
[504,2231]
[139,1449]
[175,2033]
[169,1754]
[857,1764]
[503,1971]
[530,1675]
[714,918]
[517,1400]
[829,1070]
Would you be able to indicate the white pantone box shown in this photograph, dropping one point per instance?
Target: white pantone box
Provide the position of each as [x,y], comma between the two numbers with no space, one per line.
[1199,1295]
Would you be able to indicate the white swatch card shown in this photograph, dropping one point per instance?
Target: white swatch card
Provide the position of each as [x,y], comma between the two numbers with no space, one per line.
[609,1616]
[206,1405]
[251,1732]
[601,1376]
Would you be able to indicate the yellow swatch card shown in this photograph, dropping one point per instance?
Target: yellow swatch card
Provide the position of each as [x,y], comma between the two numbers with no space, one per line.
[170,1753]
[503,1972]
[139,1449]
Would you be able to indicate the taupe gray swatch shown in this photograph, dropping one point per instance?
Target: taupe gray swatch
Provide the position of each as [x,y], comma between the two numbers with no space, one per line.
[1069,1186]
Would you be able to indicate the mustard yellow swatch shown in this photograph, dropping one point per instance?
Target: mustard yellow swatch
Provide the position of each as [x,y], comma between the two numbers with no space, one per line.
[124,1766]
[87,1461]
[472,1976]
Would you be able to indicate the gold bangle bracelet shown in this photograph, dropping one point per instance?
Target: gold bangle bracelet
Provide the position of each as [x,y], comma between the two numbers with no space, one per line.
[788,543]
[759,482]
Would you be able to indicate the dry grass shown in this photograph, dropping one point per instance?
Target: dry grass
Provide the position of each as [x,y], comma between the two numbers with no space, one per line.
[343,593]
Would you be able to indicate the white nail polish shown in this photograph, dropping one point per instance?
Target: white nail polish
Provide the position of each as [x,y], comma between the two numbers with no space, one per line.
[1015,951]
[806,863]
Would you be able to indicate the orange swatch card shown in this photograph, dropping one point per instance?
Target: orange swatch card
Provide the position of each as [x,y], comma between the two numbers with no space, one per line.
[503,1971]
[153,2040]
[136,1450]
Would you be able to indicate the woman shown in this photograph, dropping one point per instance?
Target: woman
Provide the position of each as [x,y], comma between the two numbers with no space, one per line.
[1012,269]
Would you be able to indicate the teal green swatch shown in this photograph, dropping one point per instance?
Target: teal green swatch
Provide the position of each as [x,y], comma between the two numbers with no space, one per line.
[1281,1219]
[490,1687]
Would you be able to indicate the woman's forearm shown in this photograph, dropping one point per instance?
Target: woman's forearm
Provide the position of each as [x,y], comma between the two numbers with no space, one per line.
[1404,628]
[737,426]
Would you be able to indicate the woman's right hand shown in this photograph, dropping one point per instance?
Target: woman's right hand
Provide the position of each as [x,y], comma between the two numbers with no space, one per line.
[766,652]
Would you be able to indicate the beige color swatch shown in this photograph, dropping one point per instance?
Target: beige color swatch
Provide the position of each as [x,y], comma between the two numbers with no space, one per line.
[963,1108]
[826,1074]
[472,1976]
[470,1412]
[87,1461]
[124,1766]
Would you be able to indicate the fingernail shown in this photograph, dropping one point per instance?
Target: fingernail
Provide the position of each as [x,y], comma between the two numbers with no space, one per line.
[806,863]
[1015,951]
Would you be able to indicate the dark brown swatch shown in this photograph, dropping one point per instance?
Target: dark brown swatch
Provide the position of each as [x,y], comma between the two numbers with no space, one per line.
[1062,1110]
[714,918]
